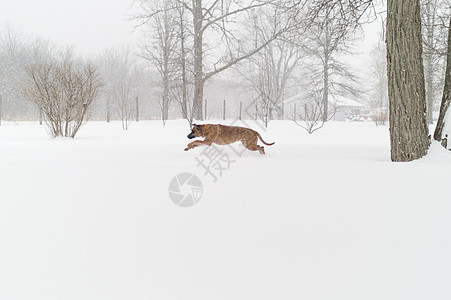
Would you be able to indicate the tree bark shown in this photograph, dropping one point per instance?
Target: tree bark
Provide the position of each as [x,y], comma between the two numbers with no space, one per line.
[446,98]
[406,91]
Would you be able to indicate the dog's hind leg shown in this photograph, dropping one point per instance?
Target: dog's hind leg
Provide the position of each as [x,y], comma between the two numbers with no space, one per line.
[260,149]
[253,146]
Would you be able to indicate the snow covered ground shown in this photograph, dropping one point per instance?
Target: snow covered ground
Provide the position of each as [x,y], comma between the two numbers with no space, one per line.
[322,216]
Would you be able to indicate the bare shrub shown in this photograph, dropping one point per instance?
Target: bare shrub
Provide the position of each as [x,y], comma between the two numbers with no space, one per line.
[63,91]
[380,116]
[310,114]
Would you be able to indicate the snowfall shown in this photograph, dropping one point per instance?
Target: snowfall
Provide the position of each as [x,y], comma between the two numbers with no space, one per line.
[322,216]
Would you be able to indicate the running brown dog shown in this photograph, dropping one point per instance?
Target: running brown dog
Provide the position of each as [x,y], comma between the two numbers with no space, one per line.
[223,135]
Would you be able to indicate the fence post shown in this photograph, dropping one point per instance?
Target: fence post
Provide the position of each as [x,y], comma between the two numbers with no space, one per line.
[241,105]
[1,109]
[108,109]
[294,113]
[206,108]
[256,111]
[224,110]
[282,110]
[40,117]
[137,109]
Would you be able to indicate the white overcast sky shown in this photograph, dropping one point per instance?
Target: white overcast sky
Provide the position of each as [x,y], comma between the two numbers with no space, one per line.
[88,25]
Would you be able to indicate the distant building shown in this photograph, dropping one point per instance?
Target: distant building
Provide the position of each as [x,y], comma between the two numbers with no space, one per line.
[341,108]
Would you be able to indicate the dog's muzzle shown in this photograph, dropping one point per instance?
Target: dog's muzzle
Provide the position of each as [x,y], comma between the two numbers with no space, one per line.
[191,136]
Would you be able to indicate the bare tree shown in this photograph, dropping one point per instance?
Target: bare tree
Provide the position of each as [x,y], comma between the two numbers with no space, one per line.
[16,52]
[217,23]
[309,113]
[406,89]
[124,100]
[271,69]
[446,98]
[182,94]
[182,91]
[434,45]
[63,91]
[121,77]
[266,101]
[328,38]
[160,48]
[379,94]
[351,13]
[168,46]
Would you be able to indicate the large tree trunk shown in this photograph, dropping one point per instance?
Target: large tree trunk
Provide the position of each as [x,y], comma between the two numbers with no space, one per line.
[446,98]
[407,105]
[198,60]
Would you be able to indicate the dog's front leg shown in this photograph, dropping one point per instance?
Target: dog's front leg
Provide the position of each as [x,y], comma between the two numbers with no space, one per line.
[191,145]
[195,144]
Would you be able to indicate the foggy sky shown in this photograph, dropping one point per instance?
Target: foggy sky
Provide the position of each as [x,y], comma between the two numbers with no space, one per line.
[88,25]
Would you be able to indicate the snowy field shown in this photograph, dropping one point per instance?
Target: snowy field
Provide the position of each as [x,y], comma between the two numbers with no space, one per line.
[322,216]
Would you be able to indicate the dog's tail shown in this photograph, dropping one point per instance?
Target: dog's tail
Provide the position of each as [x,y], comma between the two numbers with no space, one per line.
[261,139]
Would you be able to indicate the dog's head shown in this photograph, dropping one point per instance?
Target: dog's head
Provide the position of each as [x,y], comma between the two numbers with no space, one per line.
[196,131]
